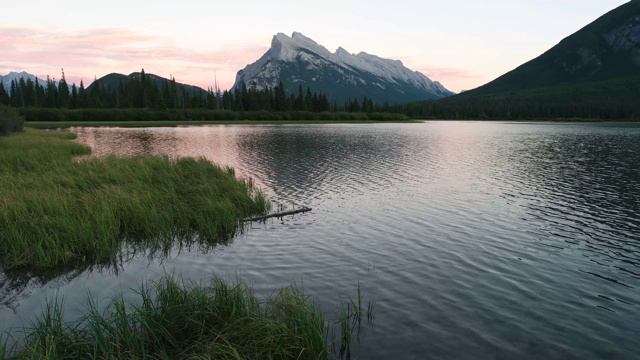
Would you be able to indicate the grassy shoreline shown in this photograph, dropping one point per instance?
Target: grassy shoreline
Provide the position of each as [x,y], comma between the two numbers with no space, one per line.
[55,210]
[174,320]
[10,120]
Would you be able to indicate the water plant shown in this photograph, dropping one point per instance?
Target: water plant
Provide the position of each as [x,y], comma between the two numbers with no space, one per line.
[175,320]
[56,209]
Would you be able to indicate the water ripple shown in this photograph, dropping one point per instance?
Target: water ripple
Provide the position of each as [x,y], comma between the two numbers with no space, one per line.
[492,239]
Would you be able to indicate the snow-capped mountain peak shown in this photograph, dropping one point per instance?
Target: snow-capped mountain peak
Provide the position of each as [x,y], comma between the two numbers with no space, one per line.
[299,60]
[289,47]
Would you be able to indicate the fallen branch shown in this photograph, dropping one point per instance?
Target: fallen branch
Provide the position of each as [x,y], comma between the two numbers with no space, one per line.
[304,209]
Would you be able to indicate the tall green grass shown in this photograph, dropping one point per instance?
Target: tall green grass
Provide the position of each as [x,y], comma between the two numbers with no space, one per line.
[58,210]
[172,320]
[10,120]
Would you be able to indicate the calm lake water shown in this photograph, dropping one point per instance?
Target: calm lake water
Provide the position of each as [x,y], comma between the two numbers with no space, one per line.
[476,240]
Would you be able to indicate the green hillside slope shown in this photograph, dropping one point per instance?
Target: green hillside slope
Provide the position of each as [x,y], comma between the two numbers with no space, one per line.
[606,49]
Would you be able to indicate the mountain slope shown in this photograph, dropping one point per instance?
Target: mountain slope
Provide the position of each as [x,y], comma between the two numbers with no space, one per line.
[113,80]
[606,49]
[300,61]
[6,79]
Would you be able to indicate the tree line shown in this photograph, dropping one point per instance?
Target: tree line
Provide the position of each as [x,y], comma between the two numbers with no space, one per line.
[614,99]
[142,91]
[609,100]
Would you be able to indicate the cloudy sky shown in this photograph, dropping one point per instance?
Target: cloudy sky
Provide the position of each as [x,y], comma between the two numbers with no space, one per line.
[461,43]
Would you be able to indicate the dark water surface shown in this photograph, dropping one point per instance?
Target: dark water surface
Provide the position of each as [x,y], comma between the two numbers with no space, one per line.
[477,240]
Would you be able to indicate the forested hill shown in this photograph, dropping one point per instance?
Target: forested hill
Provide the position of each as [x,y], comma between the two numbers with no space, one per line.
[606,49]
[139,89]
[113,80]
[592,74]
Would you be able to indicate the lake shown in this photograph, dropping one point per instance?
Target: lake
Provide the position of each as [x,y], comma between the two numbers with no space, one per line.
[475,239]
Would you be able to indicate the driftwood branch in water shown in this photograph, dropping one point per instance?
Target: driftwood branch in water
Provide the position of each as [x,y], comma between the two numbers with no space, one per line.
[304,209]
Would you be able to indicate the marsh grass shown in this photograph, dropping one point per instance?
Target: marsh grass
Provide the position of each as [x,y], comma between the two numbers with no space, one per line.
[10,120]
[174,320]
[57,210]
[349,317]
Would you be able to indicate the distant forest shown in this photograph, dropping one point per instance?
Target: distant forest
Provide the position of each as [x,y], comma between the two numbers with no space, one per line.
[143,92]
[617,99]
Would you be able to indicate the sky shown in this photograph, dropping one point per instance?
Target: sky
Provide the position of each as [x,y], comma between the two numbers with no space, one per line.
[461,43]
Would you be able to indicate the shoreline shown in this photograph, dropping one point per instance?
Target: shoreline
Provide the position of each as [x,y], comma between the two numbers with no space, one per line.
[171,123]
[86,210]
[174,123]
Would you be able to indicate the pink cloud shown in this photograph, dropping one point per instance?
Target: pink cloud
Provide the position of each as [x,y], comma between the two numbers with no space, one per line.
[85,54]
[454,79]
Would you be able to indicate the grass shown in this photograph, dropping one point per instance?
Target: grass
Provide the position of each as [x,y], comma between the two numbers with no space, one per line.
[174,320]
[56,210]
[10,120]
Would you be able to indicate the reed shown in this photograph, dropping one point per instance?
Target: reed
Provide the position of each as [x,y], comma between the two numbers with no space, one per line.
[58,210]
[174,320]
[349,315]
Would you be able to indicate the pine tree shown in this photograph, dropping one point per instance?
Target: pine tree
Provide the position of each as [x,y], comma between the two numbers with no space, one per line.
[244,95]
[63,92]
[13,93]
[82,96]
[167,95]
[51,94]
[308,99]
[4,96]
[73,102]
[143,85]
[31,93]
[96,98]
[39,93]
[280,98]
[300,103]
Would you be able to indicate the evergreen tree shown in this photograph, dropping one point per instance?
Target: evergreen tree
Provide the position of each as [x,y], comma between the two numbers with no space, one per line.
[13,93]
[244,95]
[167,95]
[4,96]
[39,93]
[51,94]
[280,98]
[22,85]
[73,101]
[300,103]
[143,87]
[30,93]
[308,99]
[82,96]
[96,98]
[63,92]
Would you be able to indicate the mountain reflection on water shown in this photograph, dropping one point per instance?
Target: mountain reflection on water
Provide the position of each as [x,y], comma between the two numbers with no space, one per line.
[493,239]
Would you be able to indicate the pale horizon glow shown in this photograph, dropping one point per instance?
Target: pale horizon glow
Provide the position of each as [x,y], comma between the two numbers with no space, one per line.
[462,44]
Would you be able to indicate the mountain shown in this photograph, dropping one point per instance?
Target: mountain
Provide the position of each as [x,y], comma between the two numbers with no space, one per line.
[113,80]
[592,74]
[300,61]
[606,49]
[6,79]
